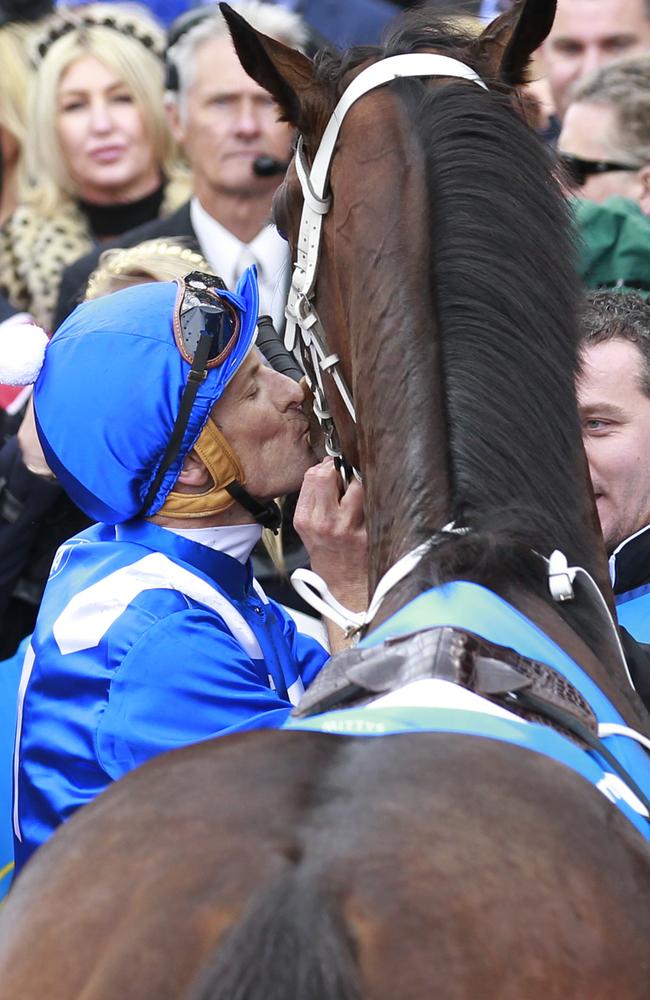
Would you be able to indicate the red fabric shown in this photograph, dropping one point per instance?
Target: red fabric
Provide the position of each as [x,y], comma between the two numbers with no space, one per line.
[8,393]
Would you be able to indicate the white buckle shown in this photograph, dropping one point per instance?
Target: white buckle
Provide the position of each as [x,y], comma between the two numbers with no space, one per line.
[560,577]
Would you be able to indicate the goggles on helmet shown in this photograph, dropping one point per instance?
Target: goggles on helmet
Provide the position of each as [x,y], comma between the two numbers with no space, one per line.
[206,326]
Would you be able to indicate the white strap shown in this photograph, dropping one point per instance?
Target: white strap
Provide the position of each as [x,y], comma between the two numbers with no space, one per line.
[357,620]
[315,592]
[606,729]
[313,589]
[409,64]
[319,205]
[393,576]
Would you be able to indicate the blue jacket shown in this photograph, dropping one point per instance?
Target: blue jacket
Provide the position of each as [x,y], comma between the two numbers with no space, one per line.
[629,567]
[145,641]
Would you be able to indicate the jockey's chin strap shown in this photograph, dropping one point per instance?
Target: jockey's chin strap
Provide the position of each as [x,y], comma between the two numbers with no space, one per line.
[300,312]
[561,577]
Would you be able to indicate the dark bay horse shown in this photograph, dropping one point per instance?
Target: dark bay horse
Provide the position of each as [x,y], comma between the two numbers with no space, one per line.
[304,866]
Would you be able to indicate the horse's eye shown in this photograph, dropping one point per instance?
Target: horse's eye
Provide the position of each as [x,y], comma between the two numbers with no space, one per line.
[282,233]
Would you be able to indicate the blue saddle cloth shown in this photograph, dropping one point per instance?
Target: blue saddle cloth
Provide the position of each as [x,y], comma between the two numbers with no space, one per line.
[475,609]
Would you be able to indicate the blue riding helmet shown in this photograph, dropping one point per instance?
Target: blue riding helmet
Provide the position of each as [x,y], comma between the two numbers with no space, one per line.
[108,397]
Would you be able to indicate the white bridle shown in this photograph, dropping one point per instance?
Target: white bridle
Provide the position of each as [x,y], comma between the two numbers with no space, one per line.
[300,311]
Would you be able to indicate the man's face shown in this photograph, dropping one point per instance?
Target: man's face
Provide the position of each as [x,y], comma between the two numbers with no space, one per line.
[589,132]
[260,415]
[615,418]
[587,34]
[225,122]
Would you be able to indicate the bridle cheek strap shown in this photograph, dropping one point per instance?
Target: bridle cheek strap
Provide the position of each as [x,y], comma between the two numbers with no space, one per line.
[224,468]
[300,312]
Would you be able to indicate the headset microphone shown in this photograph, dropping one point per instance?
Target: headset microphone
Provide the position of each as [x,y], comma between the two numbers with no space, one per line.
[268,166]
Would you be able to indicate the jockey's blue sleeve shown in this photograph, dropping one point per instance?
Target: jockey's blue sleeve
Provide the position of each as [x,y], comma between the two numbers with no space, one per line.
[186,680]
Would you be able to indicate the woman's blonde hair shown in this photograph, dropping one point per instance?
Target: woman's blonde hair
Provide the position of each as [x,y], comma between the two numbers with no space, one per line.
[15,46]
[120,47]
[152,260]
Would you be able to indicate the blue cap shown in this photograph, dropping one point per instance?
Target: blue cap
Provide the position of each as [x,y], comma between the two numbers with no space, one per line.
[109,392]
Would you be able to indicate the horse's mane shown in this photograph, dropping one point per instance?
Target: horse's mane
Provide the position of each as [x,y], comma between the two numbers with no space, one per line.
[506,296]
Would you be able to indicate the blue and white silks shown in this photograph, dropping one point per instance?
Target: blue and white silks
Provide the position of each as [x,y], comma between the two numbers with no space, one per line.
[471,607]
[145,641]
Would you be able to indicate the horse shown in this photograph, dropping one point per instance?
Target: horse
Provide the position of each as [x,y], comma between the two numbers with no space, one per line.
[316,864]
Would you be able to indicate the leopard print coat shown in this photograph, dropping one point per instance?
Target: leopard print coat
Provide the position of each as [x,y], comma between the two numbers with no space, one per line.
[35,250]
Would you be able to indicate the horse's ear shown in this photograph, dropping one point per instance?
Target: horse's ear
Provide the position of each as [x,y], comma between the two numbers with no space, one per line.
[506,45]
[286,74]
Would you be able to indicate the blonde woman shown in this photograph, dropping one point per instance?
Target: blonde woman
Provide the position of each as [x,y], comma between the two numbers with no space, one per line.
[99,158]
[20,23]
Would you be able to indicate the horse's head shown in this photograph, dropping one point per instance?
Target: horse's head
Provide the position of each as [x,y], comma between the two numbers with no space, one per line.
[375,133]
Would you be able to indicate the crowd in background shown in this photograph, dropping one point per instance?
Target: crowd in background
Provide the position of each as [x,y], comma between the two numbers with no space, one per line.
[135,130]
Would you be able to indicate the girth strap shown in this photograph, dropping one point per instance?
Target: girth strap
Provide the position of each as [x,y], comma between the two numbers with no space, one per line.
[446,653]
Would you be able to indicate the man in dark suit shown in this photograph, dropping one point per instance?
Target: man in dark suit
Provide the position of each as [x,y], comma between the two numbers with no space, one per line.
[224,121]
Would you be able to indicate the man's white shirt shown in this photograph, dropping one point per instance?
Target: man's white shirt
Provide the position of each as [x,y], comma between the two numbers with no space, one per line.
[228,257]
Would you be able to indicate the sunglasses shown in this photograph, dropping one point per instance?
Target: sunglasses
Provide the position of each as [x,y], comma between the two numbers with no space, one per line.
[206,329]
[577,170]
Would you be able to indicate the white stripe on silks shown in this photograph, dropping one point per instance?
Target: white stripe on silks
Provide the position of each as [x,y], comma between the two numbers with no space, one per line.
[257,587]
[295,691]
[28,664]
[90,614]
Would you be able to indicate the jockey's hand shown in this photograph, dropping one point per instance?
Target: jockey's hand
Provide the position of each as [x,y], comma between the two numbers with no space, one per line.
[333,529]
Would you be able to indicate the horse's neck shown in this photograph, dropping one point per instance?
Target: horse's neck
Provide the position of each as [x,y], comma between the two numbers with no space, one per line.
[406,483]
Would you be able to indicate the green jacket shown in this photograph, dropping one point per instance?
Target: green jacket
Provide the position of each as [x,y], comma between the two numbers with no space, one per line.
[614,244]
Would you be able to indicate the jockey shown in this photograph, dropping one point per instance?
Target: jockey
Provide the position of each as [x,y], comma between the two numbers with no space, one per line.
[158,416]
